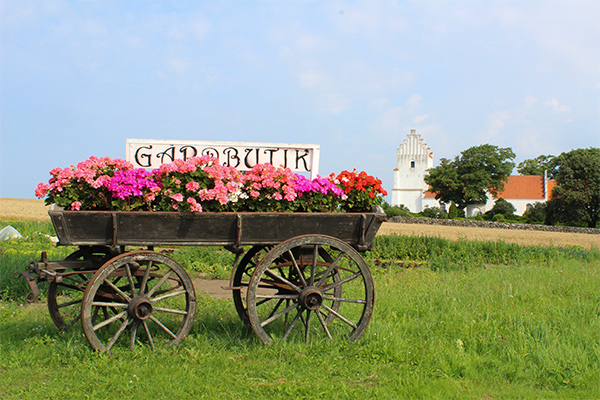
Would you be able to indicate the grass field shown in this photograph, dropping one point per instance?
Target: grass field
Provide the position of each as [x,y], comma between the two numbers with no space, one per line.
[457,318]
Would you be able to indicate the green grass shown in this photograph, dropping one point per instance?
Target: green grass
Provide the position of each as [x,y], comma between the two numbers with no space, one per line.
[471,320]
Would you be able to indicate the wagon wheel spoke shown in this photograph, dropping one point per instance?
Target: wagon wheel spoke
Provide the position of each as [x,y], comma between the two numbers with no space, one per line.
[130,278]
[148,334]
[292,324]
[116,289]
[329,270]
[64,298]
[119,332]
[279,302]
[331,310]
[323,324]
[279,314]
[240,279]
[134,327]
[163,327]
[297,269]
[283,280]
[68,303]
[307,325]
[145,278]
[310,273]
[154,288]
[313,266]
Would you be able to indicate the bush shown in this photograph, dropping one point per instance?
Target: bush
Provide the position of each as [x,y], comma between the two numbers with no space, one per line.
[536,214]
[454,212]
[503,208]
[433,212]
[396,211]
[499,218]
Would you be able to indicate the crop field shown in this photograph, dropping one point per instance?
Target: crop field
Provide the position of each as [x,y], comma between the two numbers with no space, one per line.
[458,315]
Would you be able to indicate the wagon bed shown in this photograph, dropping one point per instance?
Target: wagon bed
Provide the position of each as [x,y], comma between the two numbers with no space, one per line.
[121,228]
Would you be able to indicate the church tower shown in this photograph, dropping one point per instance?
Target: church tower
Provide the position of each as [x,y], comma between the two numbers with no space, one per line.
[413,161]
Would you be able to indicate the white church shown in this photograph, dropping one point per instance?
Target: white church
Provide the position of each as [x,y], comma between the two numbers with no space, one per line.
[414,158]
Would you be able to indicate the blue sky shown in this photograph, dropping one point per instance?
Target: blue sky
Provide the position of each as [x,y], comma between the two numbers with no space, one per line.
[80,77]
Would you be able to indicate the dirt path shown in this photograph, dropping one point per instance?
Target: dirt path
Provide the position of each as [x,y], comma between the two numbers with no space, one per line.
[212,287]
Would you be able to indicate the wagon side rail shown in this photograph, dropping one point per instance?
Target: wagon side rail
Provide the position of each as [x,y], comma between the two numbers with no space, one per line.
[232,230]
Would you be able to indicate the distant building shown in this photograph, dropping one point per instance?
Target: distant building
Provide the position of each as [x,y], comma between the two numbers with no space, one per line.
[414,158]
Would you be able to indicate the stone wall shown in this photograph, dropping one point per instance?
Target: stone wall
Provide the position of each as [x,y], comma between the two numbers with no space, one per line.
[490,224]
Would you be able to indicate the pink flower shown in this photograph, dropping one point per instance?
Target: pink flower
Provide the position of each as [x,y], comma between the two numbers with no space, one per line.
[192,186]
[194,205]
[41,190]
[177,197]
[76,206]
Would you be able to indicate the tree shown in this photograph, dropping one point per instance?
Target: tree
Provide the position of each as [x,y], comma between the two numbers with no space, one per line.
[469,177]
[537,166]
[501,207]
[536,214]
[576,197]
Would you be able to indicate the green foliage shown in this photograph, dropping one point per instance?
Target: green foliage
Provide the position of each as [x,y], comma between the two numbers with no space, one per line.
[424,249]
[208,262]
[17,254]
[454,212]
[503,209]
[433,212]
[536,214]
[469,177]
[576,198]
[393,211]
[538,165]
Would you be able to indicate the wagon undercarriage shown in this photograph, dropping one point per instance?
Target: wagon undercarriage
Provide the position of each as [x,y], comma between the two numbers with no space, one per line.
[294,276]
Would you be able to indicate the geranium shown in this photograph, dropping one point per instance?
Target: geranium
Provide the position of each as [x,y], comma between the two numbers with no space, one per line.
[364,191]
[83,186]
[202,184]
[133,189]
[202,181]
[269,188]
[320,194]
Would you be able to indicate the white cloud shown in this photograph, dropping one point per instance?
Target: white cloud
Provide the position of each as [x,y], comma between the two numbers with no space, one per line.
[331,103]
[556,107]
[177,65]
[419,119]
[495,123]
[414,101]
[389,121]
[312,79]
[530,100]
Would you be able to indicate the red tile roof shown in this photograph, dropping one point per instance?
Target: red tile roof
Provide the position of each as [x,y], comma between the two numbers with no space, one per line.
[524,187]
[521,187]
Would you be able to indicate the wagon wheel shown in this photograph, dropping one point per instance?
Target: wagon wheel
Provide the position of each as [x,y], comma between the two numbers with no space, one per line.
[241,279]
[296,290]
[64,297]
[146,293]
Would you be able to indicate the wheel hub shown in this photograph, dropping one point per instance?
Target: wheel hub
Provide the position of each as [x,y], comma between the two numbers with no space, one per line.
[311,298]
[140,308]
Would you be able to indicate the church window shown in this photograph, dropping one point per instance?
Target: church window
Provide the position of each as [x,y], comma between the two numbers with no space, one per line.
[412,164]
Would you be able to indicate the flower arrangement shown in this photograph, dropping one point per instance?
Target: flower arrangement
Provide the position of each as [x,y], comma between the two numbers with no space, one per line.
[362,190]
[202,184]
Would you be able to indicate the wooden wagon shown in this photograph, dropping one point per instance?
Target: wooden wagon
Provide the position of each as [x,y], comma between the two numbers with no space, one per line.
[294,273]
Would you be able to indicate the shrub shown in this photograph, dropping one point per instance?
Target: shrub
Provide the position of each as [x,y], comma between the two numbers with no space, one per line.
[454,212]
[501,207]
[433,212]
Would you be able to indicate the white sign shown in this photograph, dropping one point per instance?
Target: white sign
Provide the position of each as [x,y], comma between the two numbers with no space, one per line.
[150,153]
